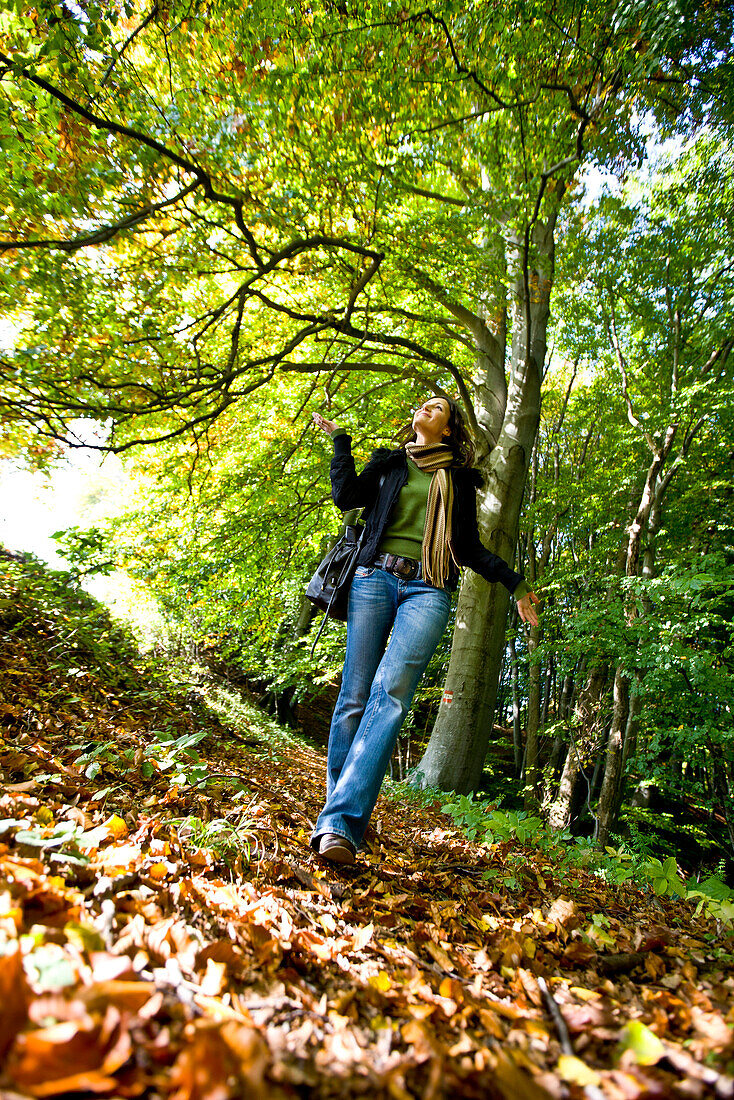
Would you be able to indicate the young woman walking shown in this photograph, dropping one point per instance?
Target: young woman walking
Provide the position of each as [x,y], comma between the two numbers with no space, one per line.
[420,525]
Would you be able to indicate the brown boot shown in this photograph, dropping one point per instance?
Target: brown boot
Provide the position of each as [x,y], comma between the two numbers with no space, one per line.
[337,849]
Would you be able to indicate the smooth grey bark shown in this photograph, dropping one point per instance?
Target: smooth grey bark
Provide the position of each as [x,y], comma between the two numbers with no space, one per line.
[454,756]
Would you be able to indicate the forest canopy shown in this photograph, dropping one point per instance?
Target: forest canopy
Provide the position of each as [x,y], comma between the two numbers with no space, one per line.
[214,221]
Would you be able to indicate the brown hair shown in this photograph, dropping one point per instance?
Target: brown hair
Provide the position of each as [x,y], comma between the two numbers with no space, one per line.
[458,440]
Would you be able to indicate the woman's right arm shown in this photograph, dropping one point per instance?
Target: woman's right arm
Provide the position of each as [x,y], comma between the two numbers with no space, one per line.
[348,488]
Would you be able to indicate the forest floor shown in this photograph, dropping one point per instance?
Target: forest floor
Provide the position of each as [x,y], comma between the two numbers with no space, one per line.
[165,930]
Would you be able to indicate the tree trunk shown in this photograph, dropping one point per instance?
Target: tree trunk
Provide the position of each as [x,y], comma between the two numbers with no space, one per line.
[548,691]
[607,810]
[533,724]
[564,704]
[722,793]
[454,756]
[633,724]
[646,522]
[586,730]
[516,729]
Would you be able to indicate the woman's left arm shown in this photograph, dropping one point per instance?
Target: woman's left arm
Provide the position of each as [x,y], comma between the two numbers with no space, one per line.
[473,553]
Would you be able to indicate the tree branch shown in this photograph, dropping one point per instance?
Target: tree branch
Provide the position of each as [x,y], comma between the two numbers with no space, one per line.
[361,283]
[460,67]
[426,194]
[108,232]
[128,41]
[611,327]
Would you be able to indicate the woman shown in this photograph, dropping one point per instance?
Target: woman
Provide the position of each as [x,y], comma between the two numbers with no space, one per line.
[420,525]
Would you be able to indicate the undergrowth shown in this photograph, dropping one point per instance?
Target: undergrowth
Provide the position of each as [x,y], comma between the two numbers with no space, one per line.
[483,821]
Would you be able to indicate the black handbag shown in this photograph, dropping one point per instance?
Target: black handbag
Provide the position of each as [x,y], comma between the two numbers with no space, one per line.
[330,584]
[329,587]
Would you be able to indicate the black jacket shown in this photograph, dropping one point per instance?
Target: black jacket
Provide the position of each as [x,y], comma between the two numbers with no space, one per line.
[352,490]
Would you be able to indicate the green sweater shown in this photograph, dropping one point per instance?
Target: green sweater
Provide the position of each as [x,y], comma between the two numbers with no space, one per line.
[404,534]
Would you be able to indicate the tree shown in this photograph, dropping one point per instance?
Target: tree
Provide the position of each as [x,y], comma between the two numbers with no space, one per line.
[675,359]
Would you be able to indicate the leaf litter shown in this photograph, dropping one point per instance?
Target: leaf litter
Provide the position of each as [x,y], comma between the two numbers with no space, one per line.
[181,940]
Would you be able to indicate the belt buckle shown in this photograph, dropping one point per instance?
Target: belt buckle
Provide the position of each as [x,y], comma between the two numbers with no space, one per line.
[408,570]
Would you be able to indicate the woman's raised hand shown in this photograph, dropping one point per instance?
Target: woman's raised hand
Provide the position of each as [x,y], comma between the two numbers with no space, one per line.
[526,610]
[321,422]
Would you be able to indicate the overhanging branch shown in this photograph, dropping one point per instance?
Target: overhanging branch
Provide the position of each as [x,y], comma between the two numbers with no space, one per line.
[107,232]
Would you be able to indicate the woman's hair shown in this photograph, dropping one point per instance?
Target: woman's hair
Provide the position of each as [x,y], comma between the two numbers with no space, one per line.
[458,440]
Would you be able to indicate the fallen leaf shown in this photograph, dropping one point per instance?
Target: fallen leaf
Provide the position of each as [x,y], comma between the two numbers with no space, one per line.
[119,857]
[563,913]
[439,955]
[221,1061]
[130,996]
[380,982]
[576,1072]
[643,1043]
[362,937]
[14,997]
[73,1056]
[116,827]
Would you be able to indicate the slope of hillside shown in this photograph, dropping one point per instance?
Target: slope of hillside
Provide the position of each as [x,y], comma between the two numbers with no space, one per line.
[167,932]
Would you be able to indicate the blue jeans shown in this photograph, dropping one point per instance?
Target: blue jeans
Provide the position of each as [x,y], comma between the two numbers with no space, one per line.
[378,684]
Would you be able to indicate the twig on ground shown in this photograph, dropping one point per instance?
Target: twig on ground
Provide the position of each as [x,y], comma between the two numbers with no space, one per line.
[590,1091]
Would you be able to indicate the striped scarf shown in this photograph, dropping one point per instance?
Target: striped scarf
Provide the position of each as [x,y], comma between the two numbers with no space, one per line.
[436,554]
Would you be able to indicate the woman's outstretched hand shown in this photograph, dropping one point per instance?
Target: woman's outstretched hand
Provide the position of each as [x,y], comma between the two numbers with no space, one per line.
[525,608]
[321,422]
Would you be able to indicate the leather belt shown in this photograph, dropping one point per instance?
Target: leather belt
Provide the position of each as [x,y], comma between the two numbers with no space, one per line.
[405,568]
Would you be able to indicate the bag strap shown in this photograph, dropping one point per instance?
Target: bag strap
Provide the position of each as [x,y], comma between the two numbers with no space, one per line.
[336,586]
[335,589]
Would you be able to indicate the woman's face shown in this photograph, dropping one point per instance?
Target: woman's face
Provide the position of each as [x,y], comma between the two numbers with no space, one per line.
[432,418]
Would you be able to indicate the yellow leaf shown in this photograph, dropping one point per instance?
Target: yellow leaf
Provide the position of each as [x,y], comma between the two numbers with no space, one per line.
[11,917]
[157,871]
[116,827]
[576,1072]
[584,994]
[381,982]
[644,1043]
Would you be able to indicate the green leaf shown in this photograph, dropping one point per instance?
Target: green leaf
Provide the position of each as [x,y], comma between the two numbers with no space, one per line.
[644,1044]
[52,969]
